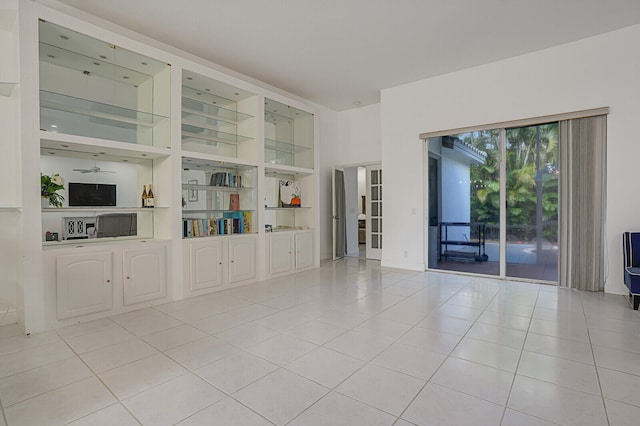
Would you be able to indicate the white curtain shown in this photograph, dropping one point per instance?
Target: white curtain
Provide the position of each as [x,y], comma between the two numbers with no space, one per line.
[582,202]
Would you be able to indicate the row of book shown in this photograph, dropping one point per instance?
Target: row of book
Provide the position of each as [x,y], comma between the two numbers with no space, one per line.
[225,179]
[230,223]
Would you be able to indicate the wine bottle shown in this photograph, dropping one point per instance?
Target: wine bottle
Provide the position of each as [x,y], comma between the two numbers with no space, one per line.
[150,198]
[145,196]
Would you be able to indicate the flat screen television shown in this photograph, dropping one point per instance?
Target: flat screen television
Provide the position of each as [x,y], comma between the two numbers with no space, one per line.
[91,195]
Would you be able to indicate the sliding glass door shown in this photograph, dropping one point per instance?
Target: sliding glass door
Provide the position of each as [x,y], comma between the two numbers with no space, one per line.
[464,226]
[532,202]
[477,174]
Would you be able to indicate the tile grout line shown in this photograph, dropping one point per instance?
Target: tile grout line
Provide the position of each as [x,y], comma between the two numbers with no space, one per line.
[515,373]
[595,366]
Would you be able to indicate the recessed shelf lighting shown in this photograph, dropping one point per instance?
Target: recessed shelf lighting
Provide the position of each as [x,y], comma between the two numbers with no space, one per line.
[96,155]
[52,153]
[144,63]
[96,63]
[65,146]
[125,161]
[54,126]
[103,57]
[189,78]
[144,155]
[51,56]
[125,77]
[64,37]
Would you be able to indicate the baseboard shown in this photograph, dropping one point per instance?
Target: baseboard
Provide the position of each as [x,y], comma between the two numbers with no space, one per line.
[419,267]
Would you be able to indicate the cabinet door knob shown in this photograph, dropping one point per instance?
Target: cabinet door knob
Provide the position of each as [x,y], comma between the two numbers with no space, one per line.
[108,281]
[127,277]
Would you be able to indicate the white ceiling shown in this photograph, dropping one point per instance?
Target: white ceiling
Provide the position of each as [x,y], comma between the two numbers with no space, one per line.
[341,53]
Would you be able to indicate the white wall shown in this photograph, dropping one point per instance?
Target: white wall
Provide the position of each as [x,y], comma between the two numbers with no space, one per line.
[347,138]
[595,72]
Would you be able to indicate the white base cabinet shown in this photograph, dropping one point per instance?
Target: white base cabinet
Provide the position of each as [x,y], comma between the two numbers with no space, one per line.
[242,259]
[204,259]
[289,252]
[216,263]
[144,275]
[84,283]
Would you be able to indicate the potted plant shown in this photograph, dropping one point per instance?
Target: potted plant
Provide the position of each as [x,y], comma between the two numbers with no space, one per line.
[49,185]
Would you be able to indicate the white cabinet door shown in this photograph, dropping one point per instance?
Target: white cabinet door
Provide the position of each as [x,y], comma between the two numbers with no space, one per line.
[304,250]
[144,274]
[280,253]
[242,259]
[205,265]
[83,283]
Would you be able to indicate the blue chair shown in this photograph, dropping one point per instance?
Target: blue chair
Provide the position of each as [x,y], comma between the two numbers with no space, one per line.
[631,253]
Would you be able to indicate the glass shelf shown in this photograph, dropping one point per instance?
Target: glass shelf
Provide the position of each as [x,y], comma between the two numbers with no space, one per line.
[186,211]
[211,114]
[98,209]
[289,135]
[280,146]
[216,188]
[210,135]
[287,208]
[81,117]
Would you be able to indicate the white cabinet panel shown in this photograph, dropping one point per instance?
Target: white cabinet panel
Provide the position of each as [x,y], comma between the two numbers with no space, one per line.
[242,259]
[304,250]
[83,283]
[280,253]
[205,265]
[144,274]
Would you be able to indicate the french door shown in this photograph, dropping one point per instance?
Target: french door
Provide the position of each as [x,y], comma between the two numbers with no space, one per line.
[374,213]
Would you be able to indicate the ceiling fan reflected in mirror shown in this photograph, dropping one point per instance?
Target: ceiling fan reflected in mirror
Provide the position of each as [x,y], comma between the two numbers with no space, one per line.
[94,169]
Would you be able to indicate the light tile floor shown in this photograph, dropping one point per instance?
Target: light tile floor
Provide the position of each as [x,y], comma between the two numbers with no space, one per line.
[350,343]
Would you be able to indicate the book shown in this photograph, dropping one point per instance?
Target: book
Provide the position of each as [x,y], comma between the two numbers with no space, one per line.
[234,201]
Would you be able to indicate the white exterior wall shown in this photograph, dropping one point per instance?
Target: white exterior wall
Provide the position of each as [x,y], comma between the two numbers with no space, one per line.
[455,195]
[595,72]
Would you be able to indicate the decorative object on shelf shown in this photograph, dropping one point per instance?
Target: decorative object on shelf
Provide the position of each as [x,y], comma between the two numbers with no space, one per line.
[49,185]
[234,201]
[144,196]
[150,198]
[193,193]
[290,193]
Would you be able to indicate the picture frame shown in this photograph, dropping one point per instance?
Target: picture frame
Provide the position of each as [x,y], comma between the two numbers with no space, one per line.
[193,193]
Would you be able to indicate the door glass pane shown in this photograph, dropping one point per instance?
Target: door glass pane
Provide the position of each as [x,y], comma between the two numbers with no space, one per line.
[464,202]
[374,225]
[374,193]
[374,177]
[532,202]
[374,210]
[374,241]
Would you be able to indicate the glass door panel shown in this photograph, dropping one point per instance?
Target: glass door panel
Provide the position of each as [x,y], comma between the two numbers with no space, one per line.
[532,202]
[464,202]
[374,215]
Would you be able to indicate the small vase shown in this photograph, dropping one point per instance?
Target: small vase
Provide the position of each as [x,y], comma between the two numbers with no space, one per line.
[44,202]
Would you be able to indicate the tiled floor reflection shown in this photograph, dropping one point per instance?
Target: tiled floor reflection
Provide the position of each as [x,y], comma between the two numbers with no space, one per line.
[350,343]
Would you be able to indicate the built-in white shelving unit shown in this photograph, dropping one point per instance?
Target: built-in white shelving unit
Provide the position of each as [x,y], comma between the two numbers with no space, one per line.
[116,115]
